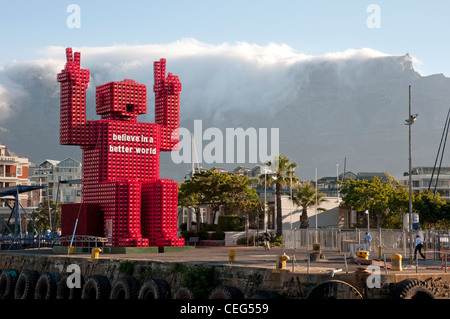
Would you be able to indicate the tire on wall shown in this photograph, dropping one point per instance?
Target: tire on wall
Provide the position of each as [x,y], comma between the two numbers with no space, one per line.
[46,286]
[125,288]
[226,292]
[334,289]
[96,287]
[26,284]
[183,293]
[412,289]
[8,279]
[155,289]
[64,292]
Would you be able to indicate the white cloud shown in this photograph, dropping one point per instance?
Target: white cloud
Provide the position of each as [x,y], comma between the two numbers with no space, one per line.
[226,85]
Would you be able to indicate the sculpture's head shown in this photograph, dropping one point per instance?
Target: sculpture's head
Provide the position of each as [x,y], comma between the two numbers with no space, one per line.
[123,100]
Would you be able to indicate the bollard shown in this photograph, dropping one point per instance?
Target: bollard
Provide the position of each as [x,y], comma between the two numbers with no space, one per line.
[315,254]
[95,252]
[281,261]
[396,262]
[231,256]
[316,248]
[362,255]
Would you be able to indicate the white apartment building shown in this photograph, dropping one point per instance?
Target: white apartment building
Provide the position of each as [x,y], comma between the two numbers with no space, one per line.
[421,177]
[55,175]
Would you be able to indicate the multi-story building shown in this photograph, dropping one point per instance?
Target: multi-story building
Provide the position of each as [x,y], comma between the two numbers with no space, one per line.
[55,175]
[14,172]
[427,177]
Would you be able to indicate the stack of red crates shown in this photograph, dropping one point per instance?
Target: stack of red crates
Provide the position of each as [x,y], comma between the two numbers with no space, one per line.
[167,105]
[121,156]
[73,105]
[159,207]
[90,219]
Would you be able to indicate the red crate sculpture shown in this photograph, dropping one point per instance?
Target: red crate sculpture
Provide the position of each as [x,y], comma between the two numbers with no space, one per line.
[121,155]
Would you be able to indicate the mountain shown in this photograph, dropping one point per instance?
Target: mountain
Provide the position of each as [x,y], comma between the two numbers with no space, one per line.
[351,104]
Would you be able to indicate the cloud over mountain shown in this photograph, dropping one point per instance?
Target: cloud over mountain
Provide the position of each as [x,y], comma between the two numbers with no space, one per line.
[344,104]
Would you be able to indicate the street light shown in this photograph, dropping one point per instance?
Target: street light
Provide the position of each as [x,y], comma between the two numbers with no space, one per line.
[410,121]
[368,220]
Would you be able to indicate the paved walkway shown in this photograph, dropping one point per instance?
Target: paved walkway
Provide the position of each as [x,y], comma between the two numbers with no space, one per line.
[255,257]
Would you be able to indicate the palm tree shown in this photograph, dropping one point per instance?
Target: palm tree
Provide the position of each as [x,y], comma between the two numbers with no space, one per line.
[305,196]
[283,174]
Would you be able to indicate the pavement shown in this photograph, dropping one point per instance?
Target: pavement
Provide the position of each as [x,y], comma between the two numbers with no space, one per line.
[257,257]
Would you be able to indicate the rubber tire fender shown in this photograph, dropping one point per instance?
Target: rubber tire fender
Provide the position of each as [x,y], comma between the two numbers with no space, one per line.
[183,293]
[64,292]
[155,289]
[8,279]
[26,284]
[226,292]
[412,289]
[125,288]
[96,287]
[46,286]
[326,290]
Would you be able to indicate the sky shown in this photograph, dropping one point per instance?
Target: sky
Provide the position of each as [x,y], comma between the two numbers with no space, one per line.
[419,28]
[33,33]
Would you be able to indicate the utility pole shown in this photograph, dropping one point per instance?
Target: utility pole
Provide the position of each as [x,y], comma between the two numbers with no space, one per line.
[411,119]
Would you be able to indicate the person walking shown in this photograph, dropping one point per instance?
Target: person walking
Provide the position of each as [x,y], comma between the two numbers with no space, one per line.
[266,238]
[419,246]
[367,238]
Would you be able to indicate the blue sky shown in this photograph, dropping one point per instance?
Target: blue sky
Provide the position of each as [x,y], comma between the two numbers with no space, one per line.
[420,28]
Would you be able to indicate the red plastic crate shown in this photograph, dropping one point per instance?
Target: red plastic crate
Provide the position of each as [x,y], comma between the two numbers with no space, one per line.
[121,155]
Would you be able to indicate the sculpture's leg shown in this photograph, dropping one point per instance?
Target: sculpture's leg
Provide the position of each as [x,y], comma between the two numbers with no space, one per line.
[159,213]
[121,203]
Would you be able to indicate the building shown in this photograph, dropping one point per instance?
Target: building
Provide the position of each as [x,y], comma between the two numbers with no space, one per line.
[330,218]
[13,172]
[55,175]
[424,177]
[13,169]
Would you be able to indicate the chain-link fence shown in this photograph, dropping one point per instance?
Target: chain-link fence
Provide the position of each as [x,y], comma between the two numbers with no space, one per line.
[435,242]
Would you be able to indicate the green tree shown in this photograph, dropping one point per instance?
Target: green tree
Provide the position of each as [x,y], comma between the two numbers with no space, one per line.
[41,216]
[386,201]
[283,174]
[189,196]
[432,210]
[305,196]
[216,189]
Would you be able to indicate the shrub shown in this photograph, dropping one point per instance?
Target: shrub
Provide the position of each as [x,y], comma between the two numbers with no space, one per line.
[200,280]
[231,223]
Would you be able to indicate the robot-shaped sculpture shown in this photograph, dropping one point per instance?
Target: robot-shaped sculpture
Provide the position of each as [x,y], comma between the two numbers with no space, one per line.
[121,155]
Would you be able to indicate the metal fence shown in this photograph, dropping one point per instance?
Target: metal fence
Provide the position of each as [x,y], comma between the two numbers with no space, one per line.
[22,242]
[435,242]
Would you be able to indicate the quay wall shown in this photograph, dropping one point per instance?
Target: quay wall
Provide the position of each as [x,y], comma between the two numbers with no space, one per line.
[248,280]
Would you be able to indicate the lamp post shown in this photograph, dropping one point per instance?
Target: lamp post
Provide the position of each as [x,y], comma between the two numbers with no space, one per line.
[368,220]
[410,121]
